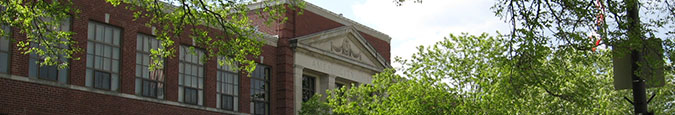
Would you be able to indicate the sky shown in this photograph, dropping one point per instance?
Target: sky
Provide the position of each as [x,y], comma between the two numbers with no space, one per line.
[414,24]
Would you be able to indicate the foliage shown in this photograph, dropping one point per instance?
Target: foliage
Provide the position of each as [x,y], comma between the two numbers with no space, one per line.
[40,21]
[314,106]
[466,74]
[550,48]
[237,40]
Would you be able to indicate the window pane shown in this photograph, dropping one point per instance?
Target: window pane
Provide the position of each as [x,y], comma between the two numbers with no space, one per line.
[102,80]
[116,37]
[181,68]
[139,58]
[227,102]
[194,81]
[201,83]
[32,69]
[98,50]
[91,31]
[89,78]
[145,44]
[146,72]
[200,70]
[187,80]
[107,51]
[139,70]
[98,62]
[115,66]
[63,75]
[108,35]
[138,86]
[4,60]
[218,89]
[106,64]
[99,32]
[115,53]
[195,70]
[180,79]
[139,42]
[115,82]
[90,48]
[48,73]
[146,60]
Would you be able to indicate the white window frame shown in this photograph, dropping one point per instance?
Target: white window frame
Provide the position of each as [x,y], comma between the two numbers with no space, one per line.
[194,75]
[146,79]
[103,56]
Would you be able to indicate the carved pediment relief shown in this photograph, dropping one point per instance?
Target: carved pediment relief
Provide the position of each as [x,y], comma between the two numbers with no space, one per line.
[343,43]
[345,48]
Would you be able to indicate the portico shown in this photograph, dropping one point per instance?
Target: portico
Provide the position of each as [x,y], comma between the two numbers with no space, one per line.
[332,58]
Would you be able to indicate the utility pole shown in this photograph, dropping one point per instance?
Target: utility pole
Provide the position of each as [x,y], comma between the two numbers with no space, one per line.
[635,34]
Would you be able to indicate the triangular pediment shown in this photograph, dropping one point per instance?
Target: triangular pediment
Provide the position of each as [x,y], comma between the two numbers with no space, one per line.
[344,43]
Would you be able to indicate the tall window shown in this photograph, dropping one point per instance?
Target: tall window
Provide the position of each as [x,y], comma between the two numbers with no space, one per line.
[4,50]
[228,88]
[260,90]
[308,87]
[49,72]
[148,83]
[103,46]
[191,76]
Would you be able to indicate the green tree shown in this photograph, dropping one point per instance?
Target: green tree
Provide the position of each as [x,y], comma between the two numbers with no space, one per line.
[468,74]
[550,36]
[239,39]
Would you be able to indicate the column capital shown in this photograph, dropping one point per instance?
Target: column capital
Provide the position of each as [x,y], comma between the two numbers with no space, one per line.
[296,66]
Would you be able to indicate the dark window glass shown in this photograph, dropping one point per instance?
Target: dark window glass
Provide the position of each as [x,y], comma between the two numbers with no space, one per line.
[228,86]
[191,96]
[103,54]
[149,88]
[260,108]
[102,80]
[227,102]
[259,89]
[307,87]
[190,76]
[148,83]
[4,50]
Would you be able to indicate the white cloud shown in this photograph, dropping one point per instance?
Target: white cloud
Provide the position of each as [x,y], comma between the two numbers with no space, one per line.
[414,24]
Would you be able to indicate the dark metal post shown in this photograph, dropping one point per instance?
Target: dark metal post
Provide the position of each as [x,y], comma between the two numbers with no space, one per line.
[639,88]
[635,34]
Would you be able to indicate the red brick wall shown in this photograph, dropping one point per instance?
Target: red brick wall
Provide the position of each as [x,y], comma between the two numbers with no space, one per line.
[380,46]
[310,22]
[28,98]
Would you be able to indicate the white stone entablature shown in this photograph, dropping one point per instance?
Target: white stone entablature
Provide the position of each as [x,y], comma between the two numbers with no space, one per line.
[339,53]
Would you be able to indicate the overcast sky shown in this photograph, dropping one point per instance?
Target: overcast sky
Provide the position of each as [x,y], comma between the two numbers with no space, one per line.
[415,24]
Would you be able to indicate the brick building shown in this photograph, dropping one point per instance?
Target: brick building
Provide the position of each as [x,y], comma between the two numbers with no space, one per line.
[312,52]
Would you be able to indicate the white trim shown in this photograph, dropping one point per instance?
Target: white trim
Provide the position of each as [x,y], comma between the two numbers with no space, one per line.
[270,39]
[332,16]
[338,57]
[347,22]
[340,31]
[111,93]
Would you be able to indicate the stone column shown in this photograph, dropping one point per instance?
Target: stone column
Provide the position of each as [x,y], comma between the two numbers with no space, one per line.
[297,85]
[326,83]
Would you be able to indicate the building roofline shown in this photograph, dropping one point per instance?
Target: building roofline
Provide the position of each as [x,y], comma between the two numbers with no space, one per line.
[332,16]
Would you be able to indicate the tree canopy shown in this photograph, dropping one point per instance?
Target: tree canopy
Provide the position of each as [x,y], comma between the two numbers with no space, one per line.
[555,59]
[466,74]
[38,20]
